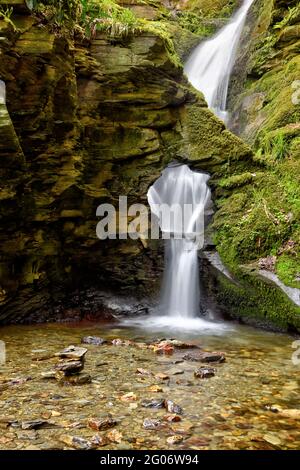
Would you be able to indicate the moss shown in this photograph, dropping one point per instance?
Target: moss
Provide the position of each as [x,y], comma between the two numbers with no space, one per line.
[194,23]
[236,181]
[208,141]
[255,302]
[288,269]
[212,8]
[260,217]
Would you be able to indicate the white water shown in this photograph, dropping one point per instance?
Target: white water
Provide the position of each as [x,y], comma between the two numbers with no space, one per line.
[210,65]
[2,92]
[208,69]
[180,187]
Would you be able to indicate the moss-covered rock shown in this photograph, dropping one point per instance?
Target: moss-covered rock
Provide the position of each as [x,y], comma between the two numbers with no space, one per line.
[265,112]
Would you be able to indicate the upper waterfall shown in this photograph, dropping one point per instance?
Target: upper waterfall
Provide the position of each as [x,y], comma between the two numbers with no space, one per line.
[210,64]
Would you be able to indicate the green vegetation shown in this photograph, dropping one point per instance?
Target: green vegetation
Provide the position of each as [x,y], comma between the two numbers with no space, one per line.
[291,17]
[5,15]
[256,302]
[195,24]
[212,8]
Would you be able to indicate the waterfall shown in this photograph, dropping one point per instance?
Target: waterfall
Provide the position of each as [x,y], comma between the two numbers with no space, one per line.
[210,65]
[186,196]
[2,92]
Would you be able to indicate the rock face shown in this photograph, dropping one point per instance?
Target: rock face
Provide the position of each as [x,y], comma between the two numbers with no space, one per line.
[94,120]
[259,217]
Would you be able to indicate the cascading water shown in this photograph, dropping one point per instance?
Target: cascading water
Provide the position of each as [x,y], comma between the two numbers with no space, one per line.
[187,195]
[210,65]
[187,199]
[208,68]
[2,92]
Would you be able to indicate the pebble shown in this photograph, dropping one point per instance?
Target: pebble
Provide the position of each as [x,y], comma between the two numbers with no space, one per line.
[102,423]
[204,357]
[173,408]
[95,340]
[204,372]
[153,403]
[152,424]
[172,440]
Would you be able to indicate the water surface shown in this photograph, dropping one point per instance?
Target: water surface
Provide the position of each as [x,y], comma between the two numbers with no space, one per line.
[228,411]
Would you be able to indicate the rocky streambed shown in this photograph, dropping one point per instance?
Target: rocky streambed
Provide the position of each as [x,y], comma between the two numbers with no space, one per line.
[104,386]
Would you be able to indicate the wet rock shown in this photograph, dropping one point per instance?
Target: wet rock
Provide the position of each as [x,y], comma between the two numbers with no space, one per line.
[152,424]
[198,356]
[35,424]
[273,408]
[162,348]
[153,403]
[172,418]
[80,379]
[95,340]
[49,375]
[178,344]
[292,413]
[102,423]
[204,372]
[155,388]
[197,442]
[99,441]
[77,442]
[69,367]
[184,428]
[121,342]
[172,440]
[72,352]
[173,408]
[272,439]
[31,435]
[162,376]
[5,384]
[130,396]
[115,436]
[142,371]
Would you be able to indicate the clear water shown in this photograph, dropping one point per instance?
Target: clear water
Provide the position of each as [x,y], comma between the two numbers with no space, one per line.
[228,411]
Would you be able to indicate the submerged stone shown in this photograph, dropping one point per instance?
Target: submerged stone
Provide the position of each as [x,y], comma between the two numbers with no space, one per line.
[152,424]
[78,442]
[95,340]
[173,408]
[79,379]
[35,424]
[204,372]
[174,440]
[153,403]
[205,357]
[102,423]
